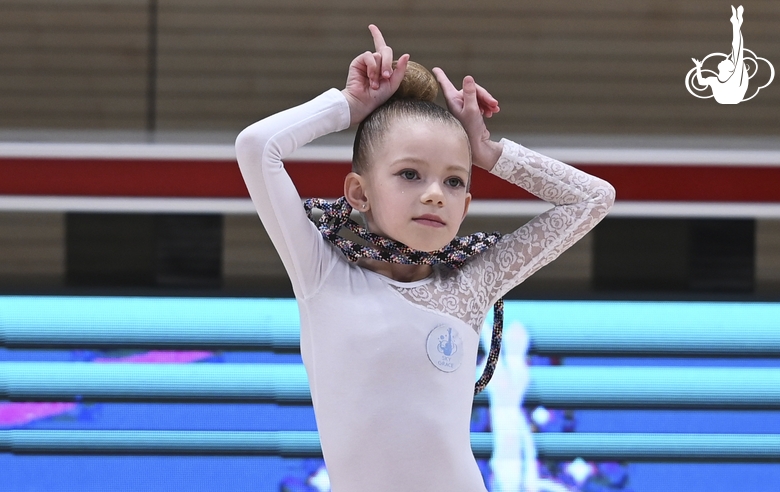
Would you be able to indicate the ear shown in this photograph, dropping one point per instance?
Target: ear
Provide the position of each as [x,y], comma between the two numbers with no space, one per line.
[466,206]
[354,191]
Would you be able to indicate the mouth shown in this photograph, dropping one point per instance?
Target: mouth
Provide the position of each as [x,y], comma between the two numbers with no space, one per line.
[430,220]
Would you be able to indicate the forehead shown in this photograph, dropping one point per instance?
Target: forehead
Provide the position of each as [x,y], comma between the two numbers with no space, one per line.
[431,143]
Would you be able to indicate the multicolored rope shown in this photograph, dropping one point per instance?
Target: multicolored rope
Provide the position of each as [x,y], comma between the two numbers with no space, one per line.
[337,215]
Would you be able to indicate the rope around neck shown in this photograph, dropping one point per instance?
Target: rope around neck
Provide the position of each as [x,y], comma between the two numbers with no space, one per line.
[337,215]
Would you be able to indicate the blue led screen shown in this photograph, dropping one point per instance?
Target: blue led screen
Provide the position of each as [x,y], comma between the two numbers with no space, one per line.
[271,323]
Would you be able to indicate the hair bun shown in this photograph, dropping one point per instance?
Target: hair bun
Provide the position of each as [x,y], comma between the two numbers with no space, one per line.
[418,83]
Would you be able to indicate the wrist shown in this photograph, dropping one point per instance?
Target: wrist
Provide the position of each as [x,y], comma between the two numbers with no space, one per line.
[486,153]
[355,115]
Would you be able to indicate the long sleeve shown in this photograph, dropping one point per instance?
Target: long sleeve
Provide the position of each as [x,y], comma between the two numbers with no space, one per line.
[260,149]
[581,201]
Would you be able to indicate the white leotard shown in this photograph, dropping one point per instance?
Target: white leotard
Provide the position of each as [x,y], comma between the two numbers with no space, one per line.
[391,365]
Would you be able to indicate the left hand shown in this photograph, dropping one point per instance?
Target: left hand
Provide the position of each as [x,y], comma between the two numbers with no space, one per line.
[471,105]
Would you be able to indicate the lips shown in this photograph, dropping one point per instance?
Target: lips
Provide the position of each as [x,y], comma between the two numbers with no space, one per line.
[430,220]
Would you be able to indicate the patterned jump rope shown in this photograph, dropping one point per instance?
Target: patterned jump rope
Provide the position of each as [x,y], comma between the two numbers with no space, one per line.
[337,215]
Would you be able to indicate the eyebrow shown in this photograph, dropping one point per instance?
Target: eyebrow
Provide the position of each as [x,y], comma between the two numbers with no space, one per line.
[451,167]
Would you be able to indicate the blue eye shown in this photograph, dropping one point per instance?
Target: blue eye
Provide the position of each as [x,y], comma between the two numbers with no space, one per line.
[408,174]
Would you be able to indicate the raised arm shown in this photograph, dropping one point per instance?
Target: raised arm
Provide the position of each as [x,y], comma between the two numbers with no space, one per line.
[701,80]
[261,147]
[580,200]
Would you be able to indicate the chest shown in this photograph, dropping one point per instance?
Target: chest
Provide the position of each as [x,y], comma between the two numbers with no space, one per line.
[371,327]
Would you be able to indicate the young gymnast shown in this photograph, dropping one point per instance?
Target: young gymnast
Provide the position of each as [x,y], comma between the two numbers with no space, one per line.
[390,349]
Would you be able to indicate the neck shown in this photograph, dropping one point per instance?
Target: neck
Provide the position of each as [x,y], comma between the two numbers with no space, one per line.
[395,271]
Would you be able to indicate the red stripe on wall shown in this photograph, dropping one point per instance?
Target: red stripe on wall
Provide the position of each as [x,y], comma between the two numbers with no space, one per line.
[691,183]
[140,178]
[222,179]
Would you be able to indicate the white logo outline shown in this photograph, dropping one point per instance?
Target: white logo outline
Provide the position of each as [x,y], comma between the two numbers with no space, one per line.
[730,85]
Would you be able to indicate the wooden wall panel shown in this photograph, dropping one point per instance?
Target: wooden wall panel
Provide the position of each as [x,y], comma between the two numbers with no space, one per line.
[560,66]
[32,255]
[32,249]
[768,256]
[249,260]
[557,67]
[73,64]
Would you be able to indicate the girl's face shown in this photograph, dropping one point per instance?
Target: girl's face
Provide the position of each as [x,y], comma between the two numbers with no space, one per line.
[415,188]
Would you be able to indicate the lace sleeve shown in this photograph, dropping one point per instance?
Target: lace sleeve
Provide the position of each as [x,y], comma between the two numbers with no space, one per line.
[580,200]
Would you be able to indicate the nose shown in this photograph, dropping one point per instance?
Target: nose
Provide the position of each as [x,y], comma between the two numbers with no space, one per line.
[433,194]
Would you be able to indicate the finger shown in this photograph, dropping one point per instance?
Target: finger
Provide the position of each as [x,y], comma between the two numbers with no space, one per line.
[487,110]
[484,96]
[447,88]
[487,103]
[493,110]
[398,73]
[378,61]
[489,113]
[386,52]
[372,70]
[379,40]
[387,61]
[470,94]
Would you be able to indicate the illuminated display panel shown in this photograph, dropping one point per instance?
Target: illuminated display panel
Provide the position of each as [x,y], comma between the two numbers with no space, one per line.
[617,336]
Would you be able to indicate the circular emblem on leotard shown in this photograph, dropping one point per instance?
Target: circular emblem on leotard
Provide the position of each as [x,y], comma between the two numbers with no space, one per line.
[445,348]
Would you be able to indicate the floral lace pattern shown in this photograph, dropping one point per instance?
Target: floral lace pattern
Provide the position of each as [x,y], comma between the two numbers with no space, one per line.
[580,200]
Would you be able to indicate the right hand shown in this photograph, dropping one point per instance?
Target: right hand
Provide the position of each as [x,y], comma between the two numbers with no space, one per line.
[371,79]
[696,62]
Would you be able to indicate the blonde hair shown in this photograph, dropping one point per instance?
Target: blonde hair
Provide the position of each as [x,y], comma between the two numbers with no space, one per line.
[413,100]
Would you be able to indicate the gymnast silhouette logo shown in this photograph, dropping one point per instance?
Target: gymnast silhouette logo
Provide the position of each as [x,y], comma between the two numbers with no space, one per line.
[446,345]
[735,70]
[444,348]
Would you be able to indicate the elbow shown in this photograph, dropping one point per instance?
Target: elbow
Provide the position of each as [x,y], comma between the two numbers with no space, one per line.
[250,145]
[247,140]
[609,195]
[603,197]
